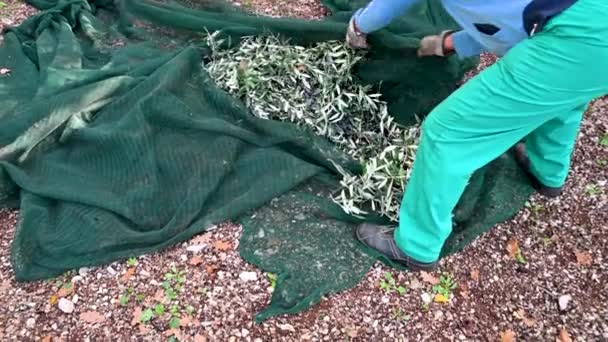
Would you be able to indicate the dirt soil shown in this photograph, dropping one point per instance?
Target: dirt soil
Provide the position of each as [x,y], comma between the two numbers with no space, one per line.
[539,277]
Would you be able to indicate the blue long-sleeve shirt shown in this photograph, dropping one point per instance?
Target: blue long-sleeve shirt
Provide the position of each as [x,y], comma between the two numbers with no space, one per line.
[487,25]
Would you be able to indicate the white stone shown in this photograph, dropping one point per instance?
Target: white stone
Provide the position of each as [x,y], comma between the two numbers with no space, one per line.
[65,305]
[111,270]
[248,276]
[195,248]
[426,298]
[83,271]
[287,327]
[30,323]
[564,301]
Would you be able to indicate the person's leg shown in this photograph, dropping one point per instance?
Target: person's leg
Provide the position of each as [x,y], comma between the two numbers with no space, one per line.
[542,79]
[550,147]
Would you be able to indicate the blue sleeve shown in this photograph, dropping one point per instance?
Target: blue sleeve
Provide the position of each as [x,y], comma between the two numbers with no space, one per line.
[379,13]
[465,45]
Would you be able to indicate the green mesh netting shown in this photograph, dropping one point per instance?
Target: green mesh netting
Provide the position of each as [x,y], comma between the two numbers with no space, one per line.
[115,142]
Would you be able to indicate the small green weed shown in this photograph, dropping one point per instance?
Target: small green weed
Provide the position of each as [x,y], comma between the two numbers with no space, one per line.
[400,315]
[2,4]
[272,279]
[173,282]
[159,309]
[519,257]
[124,299]
[189,309]
[604,140]
[174,323]
[546,241]
[593,190]
[446,285]
[389,285]
[131,262]
[602,162]
[147,315]
[535,208]
[140,297]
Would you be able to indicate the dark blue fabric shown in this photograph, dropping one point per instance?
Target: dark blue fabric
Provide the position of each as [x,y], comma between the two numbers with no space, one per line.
[539,12]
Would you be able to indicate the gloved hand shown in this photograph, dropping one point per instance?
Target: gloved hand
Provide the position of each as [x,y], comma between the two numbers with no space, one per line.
[435,45]
[355,38]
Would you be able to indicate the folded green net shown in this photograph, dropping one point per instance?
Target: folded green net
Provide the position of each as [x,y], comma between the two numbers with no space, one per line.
[114,142]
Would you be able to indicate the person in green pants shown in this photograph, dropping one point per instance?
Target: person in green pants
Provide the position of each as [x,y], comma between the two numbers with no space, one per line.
[552,65]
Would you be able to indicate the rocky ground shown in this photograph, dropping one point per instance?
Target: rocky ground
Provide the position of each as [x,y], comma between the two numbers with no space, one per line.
[539,277]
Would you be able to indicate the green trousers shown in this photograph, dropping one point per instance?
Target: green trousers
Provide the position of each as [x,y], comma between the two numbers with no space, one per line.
[538,92]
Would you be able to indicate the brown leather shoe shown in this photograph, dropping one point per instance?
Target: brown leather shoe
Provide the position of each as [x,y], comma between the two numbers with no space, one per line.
[381,239]
[521,156]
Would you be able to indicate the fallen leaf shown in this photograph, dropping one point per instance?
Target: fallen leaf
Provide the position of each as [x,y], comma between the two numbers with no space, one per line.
[583,258]
[5,71]
[352,331]
[563,336]
[475,274]
[222,245]
[513,248]
[128,275]
[185,320]
[175,333]
[53,300]
[65,291]
[136,316]
[439,298]
[200,338]
[507,336]
[144,329]
[203,239]
[5,286]
[92,317]
[521,314]
[415,284]
[211,270]
[530,322]
[429,278]
[46,338]
[463,290]
[196,260]
[159,296]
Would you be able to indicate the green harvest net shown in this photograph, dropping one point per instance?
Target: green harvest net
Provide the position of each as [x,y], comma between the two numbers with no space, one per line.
[115,142]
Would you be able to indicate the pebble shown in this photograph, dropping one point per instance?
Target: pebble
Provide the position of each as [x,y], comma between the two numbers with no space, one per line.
[244,332]
[77,279]
[564,301]
[248,276]
[111,270]
[195,248]
[83,271]
[67,306]
[75,299]
[144,273]
[287,327]
[30,323]
[183,257]
[426,298]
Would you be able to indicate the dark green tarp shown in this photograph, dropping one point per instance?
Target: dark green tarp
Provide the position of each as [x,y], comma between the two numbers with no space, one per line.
[115,142]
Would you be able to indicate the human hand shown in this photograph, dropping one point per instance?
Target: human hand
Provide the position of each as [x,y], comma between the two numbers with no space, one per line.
[436,45]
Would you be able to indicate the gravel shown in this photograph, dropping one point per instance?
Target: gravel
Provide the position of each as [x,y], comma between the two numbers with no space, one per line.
[559,292]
